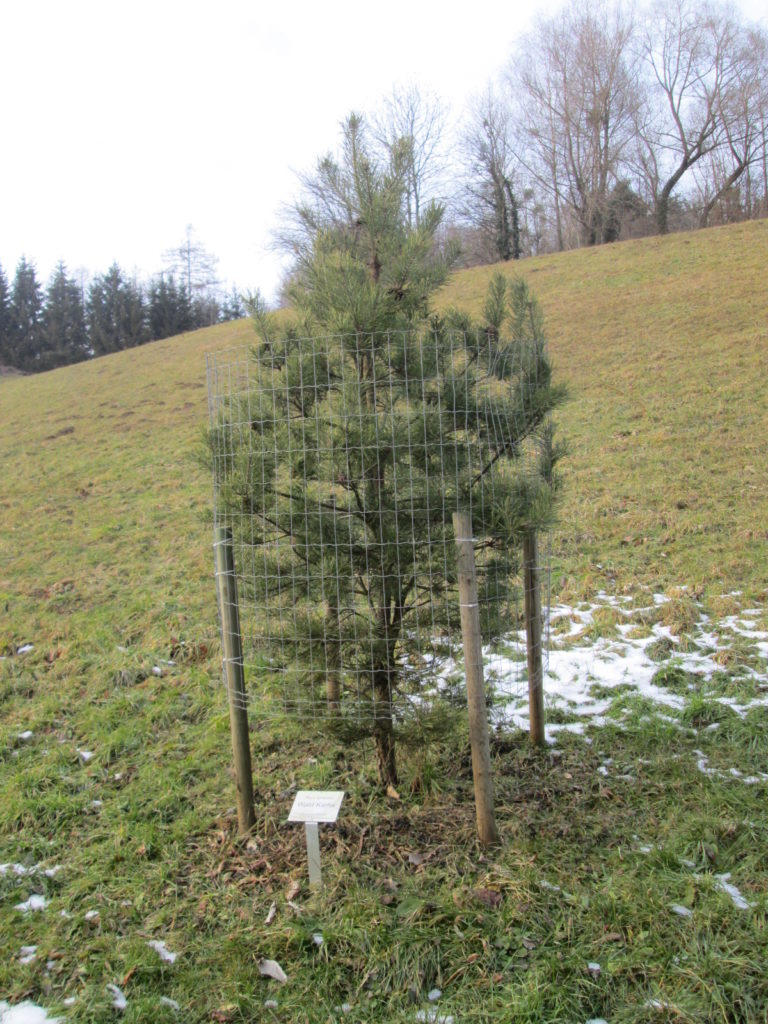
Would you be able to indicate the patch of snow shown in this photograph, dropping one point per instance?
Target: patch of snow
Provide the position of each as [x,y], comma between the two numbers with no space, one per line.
[17,869]
[680,910]
[434,994]
[92,915]
[544,884]
[27,954]
[119,1002]
[25,648]
[734,773]
[733,623]
[85,755]
[594,968]
[733,892]
[166,1001]
[35,902]
[25,1013]
[317,938]
[162,951]
[26,735]
[270,1004]
[432,1016]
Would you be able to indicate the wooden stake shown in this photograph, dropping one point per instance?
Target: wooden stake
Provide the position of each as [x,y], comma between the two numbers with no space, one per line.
[532,604]
[473,664]
[231,642]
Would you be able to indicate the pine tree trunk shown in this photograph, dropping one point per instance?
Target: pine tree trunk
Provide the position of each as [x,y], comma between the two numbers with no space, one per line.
[383,732]
[333,663]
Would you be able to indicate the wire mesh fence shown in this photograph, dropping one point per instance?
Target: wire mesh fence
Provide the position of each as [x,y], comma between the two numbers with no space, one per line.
[338,463]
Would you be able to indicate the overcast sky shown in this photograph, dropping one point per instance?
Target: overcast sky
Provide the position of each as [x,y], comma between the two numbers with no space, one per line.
[122,123]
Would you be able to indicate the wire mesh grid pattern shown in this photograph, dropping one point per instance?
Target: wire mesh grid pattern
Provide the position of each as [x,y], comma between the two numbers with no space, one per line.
[338,463]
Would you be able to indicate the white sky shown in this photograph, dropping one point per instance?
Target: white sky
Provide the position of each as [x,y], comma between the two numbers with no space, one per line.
[122,123]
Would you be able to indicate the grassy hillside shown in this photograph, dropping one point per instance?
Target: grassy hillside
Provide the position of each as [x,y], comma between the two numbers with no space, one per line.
[115,764]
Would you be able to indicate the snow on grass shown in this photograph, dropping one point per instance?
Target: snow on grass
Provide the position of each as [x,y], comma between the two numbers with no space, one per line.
[14,869]
[432,1016]
[702,764]
[20,870]
[680,910]
[727,887]
[35,902]
[25,1013]
[119,1002]
[162,951]
[584,669]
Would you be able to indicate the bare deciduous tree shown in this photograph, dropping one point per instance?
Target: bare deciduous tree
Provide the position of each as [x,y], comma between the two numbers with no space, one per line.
[194,266]
[411,128]
[707,77]
[490,200]
[741,108]
[575,83]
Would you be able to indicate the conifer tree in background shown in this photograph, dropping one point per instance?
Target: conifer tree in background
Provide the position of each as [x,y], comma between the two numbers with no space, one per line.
[116,313]
[366,400]
[64,333]
[170,311]
[232,308]
[25,315]
[4,320]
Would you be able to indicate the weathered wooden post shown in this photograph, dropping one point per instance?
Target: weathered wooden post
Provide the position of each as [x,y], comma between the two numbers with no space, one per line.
[473,665]
[532,606]
[234,676]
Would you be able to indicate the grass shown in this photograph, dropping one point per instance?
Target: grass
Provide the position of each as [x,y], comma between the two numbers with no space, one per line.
[106,569]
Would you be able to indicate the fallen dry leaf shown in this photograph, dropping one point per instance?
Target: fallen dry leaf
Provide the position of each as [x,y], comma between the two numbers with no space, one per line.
[392,792]
[490,897]
[224,1013]
[293,891]
[272,969]
[271,914]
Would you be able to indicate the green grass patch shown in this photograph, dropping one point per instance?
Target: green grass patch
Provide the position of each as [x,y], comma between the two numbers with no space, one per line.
[106,570]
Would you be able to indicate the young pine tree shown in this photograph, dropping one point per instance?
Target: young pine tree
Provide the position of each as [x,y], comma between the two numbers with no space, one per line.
[369,422]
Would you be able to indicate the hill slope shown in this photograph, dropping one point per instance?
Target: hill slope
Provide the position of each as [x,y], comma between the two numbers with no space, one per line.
[116,763]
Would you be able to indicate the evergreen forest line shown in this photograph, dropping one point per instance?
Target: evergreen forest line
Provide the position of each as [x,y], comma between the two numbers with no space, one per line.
[66,321]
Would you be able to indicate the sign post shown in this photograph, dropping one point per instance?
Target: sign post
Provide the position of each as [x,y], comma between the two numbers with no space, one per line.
[313,807]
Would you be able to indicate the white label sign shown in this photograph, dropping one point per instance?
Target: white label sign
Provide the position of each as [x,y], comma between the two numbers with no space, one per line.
[316,805]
